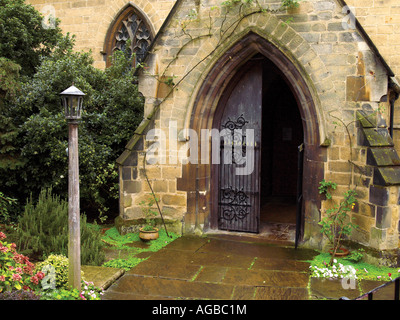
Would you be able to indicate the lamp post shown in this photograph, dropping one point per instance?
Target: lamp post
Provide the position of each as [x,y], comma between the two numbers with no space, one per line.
[72,99]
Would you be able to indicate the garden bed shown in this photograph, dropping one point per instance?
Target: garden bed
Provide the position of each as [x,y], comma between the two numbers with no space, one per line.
[343,267]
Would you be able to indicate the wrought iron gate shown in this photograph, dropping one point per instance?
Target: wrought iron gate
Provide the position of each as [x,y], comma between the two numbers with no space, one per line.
[239,194]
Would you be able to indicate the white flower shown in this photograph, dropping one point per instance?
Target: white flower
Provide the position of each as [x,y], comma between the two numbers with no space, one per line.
[334,261]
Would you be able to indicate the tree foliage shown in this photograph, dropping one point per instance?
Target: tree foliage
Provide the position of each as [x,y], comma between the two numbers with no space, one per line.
[23,38]
[33,129]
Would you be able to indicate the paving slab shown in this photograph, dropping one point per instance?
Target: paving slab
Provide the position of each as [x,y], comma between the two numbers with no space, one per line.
[171,288]
[259,278]
[102,277]
[278,293]
[332,289]
[386,293]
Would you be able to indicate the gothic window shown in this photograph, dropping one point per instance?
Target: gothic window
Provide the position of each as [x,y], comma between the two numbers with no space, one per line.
[130,33]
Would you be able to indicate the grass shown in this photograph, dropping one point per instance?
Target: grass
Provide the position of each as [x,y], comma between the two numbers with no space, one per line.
[134,245]
[365,271]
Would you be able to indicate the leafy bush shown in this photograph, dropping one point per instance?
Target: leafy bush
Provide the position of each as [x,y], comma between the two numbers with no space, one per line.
[43,230]
[16,271]
[60,264]
[88,292]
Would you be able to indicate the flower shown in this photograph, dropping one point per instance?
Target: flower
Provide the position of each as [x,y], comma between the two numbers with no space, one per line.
[40,275]
[16,277]
[2,278]
[28,270]
[34,280]
[2,236]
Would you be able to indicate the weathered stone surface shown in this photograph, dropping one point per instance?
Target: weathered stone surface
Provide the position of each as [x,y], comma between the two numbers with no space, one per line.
[332,289]
[387,176]
[275,293]
[383,217]
[132,186]
[102,277]
[375,137]
[378,195]
[382,157]
[174,200]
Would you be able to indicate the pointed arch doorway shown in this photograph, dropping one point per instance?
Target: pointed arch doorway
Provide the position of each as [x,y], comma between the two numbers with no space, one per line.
[263,198]
[202,181]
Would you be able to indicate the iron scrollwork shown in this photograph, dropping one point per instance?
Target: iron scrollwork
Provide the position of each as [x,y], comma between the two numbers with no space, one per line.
[235,137]
[234,204]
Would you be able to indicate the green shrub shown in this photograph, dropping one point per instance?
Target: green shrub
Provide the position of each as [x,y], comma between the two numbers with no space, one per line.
[43,230]
[60,264]
[88,292]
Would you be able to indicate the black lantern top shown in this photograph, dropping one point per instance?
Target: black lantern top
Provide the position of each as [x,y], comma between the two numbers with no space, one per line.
[72,100]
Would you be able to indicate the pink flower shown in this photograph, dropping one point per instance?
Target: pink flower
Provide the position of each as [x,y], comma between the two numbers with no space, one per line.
[2,236]
[378,277]
[3,249]
[28,270]
[40,275]
[2,278]
[18,270]
[16,277]
[35,280]
[389,274]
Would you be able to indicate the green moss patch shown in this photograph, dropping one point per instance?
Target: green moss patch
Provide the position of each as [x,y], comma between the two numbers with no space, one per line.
[132,244]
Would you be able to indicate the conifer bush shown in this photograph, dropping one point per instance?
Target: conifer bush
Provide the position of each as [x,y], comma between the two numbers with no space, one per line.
[43,230]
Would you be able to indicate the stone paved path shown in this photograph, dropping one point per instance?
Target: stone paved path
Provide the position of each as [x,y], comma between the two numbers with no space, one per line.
[217,268]
[231,268]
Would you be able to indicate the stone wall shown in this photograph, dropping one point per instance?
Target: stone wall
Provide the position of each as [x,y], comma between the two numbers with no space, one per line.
[340,68]
[89,20]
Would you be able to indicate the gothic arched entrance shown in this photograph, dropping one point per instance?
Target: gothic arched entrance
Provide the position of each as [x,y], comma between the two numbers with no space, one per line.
[261,132]
[231,69]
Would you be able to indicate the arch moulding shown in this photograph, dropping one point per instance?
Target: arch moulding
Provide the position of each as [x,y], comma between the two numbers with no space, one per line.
[200,189]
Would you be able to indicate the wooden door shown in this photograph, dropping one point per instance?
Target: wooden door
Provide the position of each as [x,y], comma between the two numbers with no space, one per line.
[240,156]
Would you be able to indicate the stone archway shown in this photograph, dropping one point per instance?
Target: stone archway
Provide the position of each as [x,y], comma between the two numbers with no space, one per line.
[200,193]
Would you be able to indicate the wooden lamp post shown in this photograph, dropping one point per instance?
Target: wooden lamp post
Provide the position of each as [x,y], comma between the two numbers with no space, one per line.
[72,99]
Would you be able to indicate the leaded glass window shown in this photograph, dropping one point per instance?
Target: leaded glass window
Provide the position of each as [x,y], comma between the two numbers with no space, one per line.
[131,34]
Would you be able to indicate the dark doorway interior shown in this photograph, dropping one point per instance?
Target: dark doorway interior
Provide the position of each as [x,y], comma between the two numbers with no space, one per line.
[282,133]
